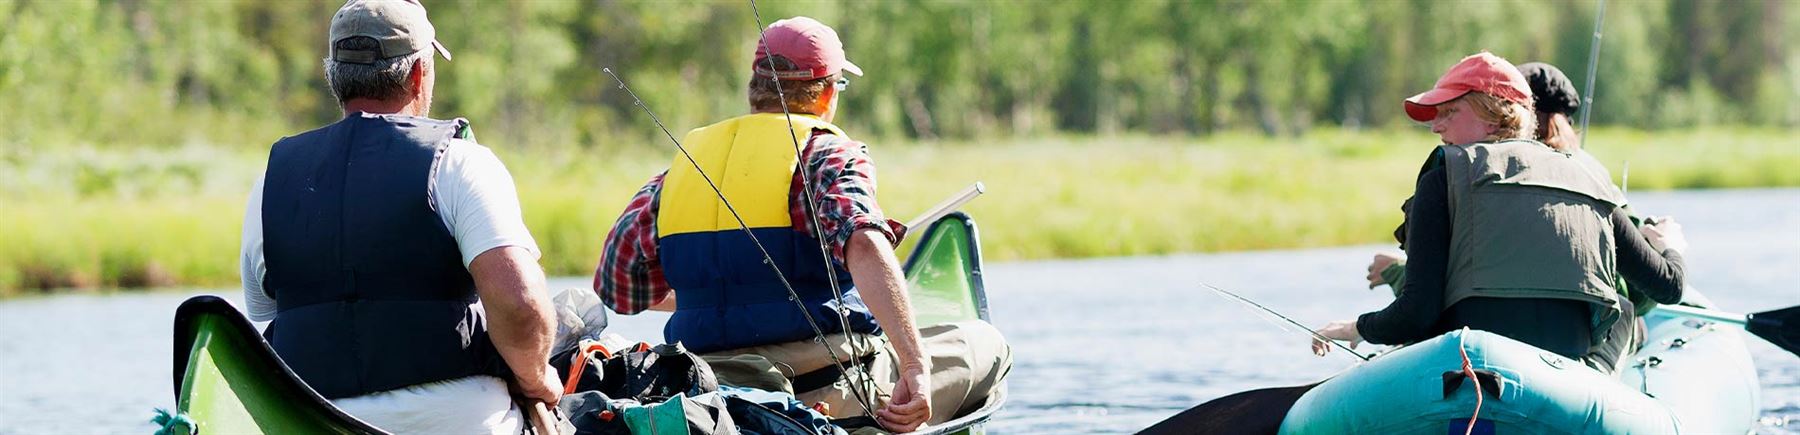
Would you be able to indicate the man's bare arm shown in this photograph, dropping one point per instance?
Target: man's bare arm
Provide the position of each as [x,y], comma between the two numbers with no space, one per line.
[876,271]
[521,319]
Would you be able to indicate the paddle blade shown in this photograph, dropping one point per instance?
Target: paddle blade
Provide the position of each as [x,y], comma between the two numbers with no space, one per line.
[1249,412]
[1781,327]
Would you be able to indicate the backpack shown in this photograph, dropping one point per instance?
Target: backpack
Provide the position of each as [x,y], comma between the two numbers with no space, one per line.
[592,413]
[646,374]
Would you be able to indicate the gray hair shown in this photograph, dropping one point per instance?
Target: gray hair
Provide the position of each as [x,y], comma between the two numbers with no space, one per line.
[385,79]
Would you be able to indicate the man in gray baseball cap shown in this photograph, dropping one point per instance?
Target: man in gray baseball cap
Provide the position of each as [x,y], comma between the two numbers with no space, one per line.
[400,28]
[388,251]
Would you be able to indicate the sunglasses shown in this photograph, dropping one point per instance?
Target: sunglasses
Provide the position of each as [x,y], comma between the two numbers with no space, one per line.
[842,83]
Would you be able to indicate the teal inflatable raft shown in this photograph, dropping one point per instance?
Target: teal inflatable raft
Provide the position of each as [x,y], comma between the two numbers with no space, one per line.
[1691,376]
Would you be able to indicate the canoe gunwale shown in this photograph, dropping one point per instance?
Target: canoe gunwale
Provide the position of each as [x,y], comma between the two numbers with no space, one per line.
[187,321]
[977,288]
[978,291]
[971,420]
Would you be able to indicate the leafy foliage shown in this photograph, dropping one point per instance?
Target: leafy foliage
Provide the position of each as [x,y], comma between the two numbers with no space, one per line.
[243,73]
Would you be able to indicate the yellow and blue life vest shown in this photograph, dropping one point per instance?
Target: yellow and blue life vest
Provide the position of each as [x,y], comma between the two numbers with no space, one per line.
[726,297]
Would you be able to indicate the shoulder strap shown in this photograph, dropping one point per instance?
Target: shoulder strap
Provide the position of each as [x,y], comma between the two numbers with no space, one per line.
[463,129]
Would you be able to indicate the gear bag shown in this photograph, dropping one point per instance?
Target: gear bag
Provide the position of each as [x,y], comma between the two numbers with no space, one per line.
[646,374]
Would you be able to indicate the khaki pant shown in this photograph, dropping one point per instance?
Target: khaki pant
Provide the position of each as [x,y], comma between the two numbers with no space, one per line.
[968,361]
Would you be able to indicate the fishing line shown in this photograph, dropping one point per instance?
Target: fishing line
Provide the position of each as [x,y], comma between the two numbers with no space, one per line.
[812,211]
[819,334]
[1315,334]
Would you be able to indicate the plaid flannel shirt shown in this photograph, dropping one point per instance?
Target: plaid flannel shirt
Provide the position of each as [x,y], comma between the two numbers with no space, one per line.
[629,278]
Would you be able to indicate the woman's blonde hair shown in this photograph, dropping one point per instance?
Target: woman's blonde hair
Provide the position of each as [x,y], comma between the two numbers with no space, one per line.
[1512,120]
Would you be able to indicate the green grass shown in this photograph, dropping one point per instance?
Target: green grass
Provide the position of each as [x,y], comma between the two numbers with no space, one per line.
[94,218]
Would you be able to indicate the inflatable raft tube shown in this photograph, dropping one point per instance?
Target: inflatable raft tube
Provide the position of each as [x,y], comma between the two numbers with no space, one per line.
[1691,376]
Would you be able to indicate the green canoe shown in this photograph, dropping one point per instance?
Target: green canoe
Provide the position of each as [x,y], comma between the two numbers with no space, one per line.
[228,380]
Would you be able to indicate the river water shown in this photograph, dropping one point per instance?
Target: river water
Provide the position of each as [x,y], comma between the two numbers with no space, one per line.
[1101,346]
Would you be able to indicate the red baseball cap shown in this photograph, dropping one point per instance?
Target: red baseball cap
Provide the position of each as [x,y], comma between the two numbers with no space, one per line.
[810,44]
[1481,72]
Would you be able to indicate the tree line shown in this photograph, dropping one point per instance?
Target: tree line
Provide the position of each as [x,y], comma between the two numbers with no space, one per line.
[528,72]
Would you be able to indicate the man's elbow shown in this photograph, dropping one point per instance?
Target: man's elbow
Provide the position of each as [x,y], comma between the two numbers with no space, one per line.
[866,243]
[509,278]
[1668,296]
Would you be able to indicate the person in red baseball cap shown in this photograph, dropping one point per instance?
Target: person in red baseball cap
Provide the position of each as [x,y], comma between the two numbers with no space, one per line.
[1556,101]
[1507,235]
[1483,97]
[802,186]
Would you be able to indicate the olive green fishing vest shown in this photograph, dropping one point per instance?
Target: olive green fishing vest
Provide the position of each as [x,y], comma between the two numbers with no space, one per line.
[1531,222]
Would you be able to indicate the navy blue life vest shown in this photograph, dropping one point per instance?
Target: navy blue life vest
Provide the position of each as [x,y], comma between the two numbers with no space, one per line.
[369,286]
[726,297]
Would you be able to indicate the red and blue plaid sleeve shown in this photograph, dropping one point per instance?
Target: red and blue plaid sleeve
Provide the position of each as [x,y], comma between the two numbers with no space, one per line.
[843,179]
[630,276]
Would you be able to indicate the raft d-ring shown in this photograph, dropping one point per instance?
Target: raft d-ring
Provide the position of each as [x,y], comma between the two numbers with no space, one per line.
[1555,361]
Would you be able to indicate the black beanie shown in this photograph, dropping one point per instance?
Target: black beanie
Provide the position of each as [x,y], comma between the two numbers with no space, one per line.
[1553,90]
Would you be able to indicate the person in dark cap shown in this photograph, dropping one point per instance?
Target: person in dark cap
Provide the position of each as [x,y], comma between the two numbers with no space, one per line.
[1555,103]
[388,250]
[676,247]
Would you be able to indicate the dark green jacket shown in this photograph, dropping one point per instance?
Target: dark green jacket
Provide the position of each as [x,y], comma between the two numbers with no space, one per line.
[1531,222]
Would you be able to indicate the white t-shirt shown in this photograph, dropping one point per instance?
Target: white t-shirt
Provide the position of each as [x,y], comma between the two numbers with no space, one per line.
[474,195]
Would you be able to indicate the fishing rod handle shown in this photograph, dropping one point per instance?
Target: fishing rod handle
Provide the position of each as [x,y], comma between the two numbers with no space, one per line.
[948,205]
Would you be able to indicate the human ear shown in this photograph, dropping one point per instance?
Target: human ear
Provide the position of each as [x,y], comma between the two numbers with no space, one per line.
[826,101]
[415,79]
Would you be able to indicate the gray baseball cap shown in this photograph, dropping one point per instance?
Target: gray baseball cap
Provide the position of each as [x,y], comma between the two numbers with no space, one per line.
[398,25]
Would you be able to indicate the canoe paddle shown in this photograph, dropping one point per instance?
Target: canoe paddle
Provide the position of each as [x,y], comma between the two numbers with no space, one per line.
[541,419]
[1254,411]
[1780,327]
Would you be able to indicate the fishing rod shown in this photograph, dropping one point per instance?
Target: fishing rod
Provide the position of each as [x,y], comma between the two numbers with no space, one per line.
[1625,179]
[818,333]
[948,205]
[1315,334]
[812,214]
[1780,327]
[1587,105]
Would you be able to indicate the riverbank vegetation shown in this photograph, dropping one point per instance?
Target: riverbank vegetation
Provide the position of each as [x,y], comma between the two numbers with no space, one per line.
[132,130]
[170,72]
[93,218]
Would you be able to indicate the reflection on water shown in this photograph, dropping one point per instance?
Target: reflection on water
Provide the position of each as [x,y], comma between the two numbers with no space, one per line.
[1101,346]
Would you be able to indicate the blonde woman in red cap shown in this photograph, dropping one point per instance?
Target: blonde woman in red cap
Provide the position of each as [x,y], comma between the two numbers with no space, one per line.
[670,251]
[1555,102]
[1506,234]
